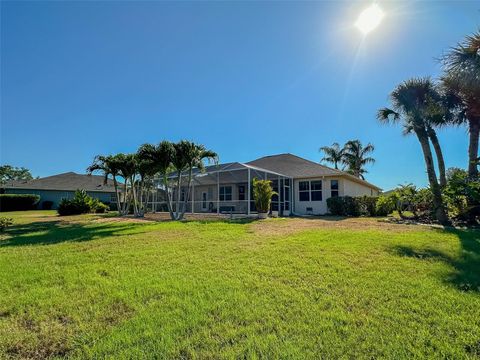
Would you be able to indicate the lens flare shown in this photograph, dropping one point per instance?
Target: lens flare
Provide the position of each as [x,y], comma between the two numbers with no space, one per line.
[369,19]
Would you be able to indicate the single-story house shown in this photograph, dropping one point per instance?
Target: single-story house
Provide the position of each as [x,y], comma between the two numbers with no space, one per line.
[56,187]
[303,186]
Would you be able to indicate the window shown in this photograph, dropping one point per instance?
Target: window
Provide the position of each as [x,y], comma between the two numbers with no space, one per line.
[334,188]
[316,190]
[241,192]
[225,193]
[113,198]
[304,190]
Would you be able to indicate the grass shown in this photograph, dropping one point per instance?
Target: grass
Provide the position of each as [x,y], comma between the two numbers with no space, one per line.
[281,288]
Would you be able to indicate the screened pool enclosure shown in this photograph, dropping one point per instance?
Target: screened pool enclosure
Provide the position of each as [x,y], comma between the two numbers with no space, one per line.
[227,189]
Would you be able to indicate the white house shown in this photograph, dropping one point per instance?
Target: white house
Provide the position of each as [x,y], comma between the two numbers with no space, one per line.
[303,186]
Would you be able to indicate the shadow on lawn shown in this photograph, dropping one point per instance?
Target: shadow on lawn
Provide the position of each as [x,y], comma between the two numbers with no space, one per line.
[467,263]
[58,231]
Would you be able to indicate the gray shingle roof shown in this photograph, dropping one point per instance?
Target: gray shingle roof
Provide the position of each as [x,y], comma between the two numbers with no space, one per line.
[297,167]
[69,181]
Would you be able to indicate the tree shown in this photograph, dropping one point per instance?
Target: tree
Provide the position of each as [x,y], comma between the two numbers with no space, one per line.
[410,101]
[180,159]
[462,77]
[437,112]
[194,156]
[333,154]
[355,157]
[263,193]
[9,173]
[162,156]
[108,166]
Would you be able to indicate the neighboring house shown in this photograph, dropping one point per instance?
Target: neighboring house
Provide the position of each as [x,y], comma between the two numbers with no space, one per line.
[303,186]
[54,188]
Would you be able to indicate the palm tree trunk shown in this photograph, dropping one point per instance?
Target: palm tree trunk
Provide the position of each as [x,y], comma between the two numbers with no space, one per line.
[474,129]
[438,152]
[167,196]
[179,192]
[187,195]
[117,194]
[439,209]
[125,198]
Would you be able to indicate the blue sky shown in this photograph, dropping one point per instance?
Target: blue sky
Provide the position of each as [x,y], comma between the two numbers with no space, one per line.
[246,79]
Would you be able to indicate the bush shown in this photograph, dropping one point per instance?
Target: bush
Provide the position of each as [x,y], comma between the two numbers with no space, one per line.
[81,204]
[335,206]
[262,193]
[47,205]
[18,202]
[97,206]
[462,195]
[352,206]
[385,205]
[4,223]
[367,205]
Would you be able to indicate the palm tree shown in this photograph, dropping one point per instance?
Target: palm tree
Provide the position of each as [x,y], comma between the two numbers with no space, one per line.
[147,168]
[411,103]
[333,154]
[355,157]
[437,112]
[462,77]
[108,166]
[127,169]
[194,157]
[160,157]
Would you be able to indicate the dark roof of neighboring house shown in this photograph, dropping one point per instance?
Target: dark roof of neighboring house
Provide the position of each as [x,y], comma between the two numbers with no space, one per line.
[69,181]
[297,167]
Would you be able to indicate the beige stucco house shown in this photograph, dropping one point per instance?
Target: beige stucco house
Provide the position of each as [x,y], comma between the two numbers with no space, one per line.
[303,186]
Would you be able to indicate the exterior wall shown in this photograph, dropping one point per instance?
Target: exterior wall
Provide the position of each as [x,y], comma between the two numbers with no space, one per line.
[352,188]
[318,207]
[56,196]
[345,188]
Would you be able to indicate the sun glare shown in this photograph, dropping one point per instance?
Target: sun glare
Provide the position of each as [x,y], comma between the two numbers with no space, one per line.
[369,19]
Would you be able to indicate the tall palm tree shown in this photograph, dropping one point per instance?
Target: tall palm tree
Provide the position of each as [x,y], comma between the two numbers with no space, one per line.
[355,157]
[410,105]
[127,169]
[462,77]
[160,157]
[333,154]
[194,156]
[147,168]
[108,166]
[437,112]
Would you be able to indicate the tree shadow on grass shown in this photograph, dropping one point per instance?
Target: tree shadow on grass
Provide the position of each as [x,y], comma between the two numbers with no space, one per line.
[58,231]
[467,263]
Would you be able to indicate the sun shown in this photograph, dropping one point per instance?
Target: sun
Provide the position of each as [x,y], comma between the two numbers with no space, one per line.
[369,19]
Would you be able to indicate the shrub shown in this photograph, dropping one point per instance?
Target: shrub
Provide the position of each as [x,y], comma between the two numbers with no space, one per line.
[18,202]
[336,206]
[351,206]
[462,194]
[262,193]
[67,207]
[81,204]
[367,205]
[47,205]
[385,205]
[97,206]
[4,223]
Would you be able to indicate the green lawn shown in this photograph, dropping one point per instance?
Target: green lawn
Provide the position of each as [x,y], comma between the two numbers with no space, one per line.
[86,287]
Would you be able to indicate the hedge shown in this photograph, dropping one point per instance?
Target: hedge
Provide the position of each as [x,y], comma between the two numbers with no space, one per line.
[18,202]
[352,206]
